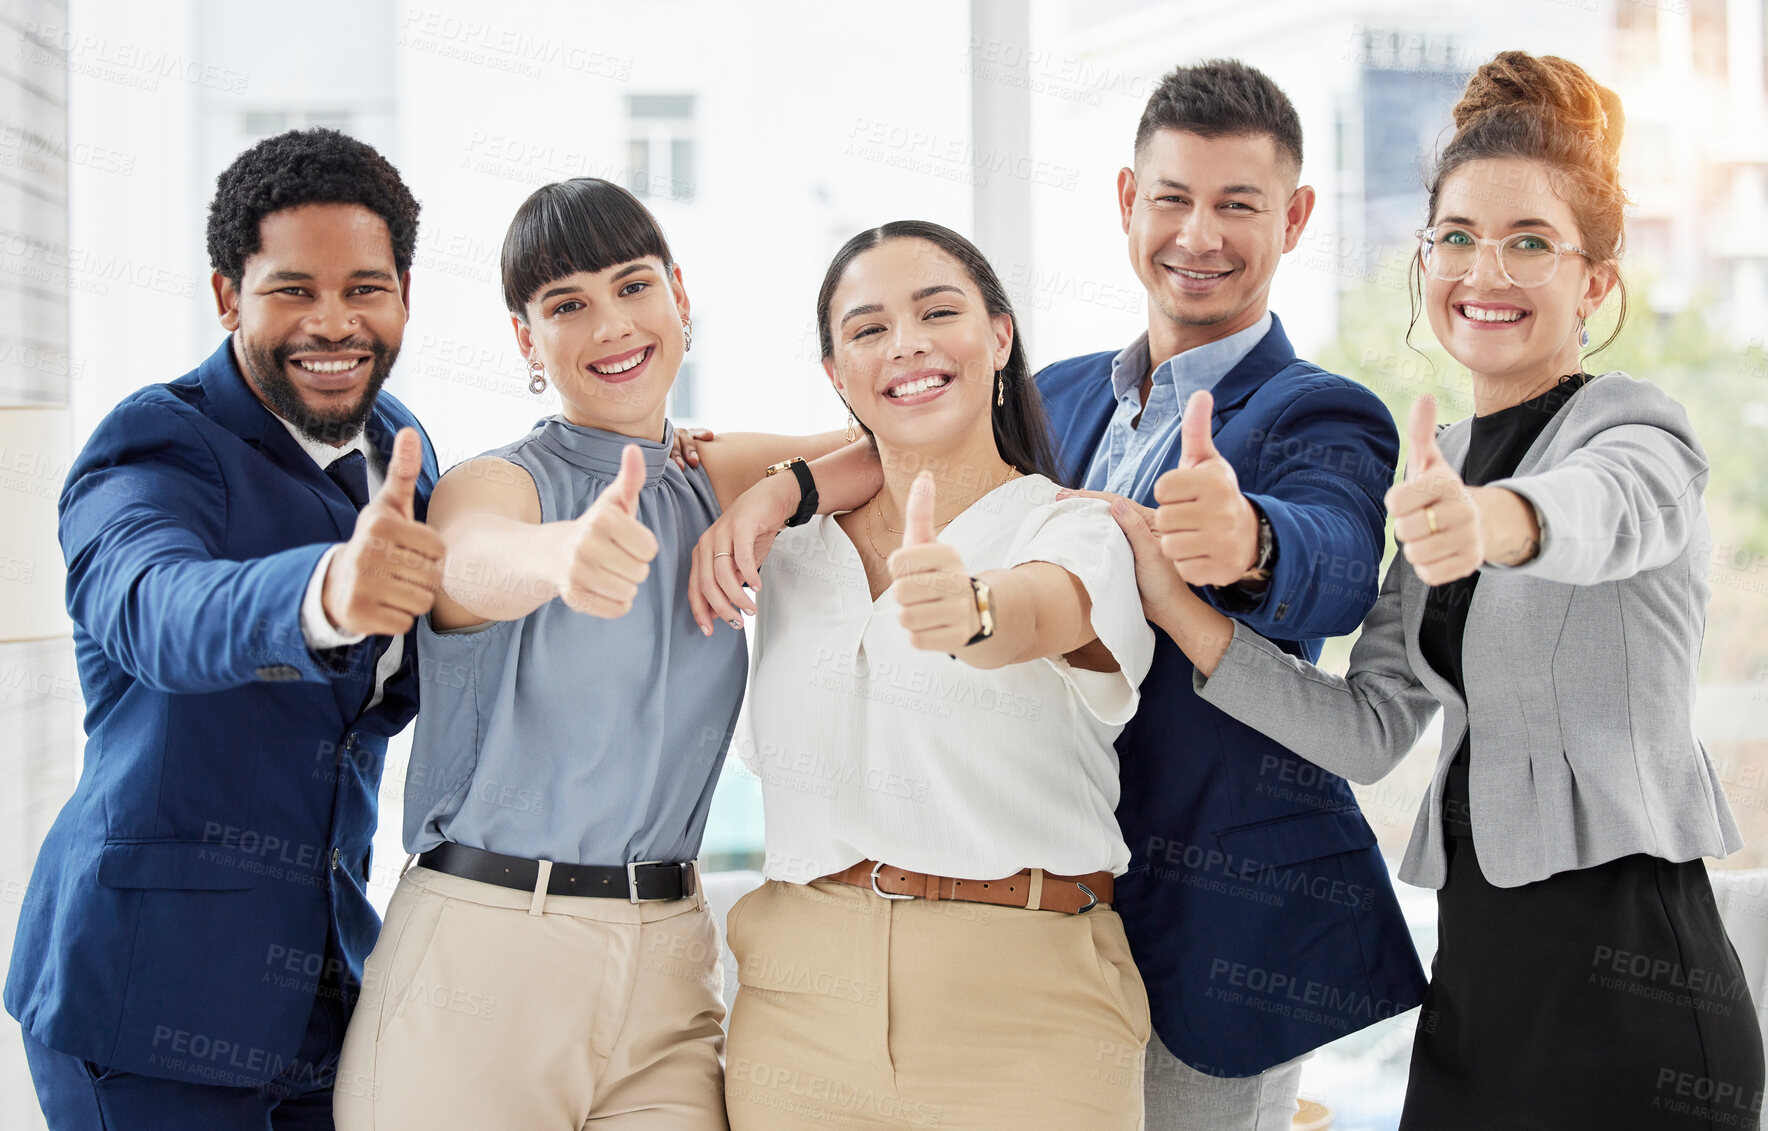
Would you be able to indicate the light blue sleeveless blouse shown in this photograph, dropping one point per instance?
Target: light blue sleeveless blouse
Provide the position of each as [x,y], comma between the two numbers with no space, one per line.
[570,738]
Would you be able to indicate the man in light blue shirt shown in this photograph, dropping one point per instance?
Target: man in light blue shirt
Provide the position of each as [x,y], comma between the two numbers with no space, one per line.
[1144,428]
[1277,519]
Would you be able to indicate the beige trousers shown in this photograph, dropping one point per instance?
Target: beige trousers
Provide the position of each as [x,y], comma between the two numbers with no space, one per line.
[483,1007]
[856,1011]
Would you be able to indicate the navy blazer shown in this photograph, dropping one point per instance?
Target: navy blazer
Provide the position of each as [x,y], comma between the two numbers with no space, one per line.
[1257,905]
[178,918]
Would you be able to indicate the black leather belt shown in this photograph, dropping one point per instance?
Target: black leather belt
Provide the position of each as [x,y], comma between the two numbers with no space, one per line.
[639,882]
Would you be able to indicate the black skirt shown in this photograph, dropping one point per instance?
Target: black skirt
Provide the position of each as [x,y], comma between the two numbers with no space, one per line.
[1605,998]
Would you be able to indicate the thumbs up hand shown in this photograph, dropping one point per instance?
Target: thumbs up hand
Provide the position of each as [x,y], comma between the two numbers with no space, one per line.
[1207,527]
[1436,520]
[928,579]
[606,552]
[387,574]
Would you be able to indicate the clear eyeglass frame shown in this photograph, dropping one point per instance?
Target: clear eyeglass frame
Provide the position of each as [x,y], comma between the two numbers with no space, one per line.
[1548,259]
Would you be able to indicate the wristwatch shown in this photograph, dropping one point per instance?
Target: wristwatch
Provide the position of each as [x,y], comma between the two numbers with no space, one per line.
[984,612]
[1267,549]
[807,499]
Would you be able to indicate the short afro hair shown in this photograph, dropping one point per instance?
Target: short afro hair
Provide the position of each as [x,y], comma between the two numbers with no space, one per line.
[1222,98]
[312,166]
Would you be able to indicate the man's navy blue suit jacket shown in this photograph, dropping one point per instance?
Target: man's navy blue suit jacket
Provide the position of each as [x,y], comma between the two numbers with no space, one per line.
[214,856]
[1257,905]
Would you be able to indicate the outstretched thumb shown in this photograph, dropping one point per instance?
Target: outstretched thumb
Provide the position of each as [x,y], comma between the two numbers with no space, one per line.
[1421,433]
[918,529]
[623,492]
[406,464]
[1195,442]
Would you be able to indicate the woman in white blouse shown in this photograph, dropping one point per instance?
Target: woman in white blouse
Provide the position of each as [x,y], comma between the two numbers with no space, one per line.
[938,678]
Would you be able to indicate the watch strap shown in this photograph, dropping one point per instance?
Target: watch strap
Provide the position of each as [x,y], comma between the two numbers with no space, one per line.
[807,498]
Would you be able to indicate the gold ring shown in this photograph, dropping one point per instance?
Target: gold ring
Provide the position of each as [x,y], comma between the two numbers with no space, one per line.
[728,554]
[1430,517]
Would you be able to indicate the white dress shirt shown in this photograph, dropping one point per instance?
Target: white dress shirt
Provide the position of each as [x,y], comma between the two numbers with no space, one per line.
[869,748]
[316,627]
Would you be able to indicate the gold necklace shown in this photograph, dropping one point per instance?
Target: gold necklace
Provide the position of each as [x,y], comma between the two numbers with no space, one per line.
[1012,474]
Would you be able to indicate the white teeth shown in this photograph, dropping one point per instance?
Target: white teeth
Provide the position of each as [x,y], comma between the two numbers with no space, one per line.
[1480,314]
[910,388]
[328,366]
[623,366]
[1199,274]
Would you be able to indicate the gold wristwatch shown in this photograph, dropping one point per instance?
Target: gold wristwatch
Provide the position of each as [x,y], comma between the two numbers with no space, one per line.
[984,612]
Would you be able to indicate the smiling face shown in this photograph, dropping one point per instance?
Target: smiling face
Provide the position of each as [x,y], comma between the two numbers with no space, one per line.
[611,343]
[915,349]
[1208,219]
[318,316]
[1525,336]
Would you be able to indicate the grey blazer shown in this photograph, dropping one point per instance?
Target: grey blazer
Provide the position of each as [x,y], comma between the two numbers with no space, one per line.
[1580,664]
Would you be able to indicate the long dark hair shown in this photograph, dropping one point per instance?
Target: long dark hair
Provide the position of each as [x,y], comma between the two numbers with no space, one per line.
[583,224]
[1021,430]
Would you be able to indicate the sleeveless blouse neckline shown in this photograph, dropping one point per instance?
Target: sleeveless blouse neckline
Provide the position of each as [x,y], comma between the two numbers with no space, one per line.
[597,451]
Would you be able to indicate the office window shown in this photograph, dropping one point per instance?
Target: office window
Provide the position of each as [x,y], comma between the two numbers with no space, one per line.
[660,146]
[258,124]
[1707,24]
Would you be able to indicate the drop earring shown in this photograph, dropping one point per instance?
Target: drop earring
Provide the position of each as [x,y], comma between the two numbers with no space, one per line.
[1000,390]
[1583,334]
[536,378]
[687,334]
[852,427]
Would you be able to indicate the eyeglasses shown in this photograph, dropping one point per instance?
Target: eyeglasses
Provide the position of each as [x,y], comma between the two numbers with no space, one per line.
[1527,259]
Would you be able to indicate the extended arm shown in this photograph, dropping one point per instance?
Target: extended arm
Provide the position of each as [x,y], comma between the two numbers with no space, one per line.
[1359,726]
[738,461]
[504,562]
[143,515]
[1321,470]
[729,554]
[1627,500]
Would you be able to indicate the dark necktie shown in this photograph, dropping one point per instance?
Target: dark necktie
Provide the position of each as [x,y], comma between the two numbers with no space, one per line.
[350,472]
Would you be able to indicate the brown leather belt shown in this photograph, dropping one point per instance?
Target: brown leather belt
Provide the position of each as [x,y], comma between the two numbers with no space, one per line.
[1033,888]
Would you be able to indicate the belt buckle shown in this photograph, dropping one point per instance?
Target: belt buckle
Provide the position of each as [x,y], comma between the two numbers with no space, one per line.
[876,868]
[632,867]
[1093,900]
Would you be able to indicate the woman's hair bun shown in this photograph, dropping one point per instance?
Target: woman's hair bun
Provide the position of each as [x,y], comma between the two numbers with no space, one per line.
[1557,90]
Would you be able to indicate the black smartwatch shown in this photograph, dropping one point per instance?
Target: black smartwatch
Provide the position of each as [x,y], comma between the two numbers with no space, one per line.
[807,499]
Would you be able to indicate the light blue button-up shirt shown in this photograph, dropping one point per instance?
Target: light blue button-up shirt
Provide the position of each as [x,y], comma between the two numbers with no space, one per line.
[1131,456]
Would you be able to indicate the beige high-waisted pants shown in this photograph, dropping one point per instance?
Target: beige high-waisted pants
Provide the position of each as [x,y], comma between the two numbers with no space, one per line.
[478,1013]
[856,1011]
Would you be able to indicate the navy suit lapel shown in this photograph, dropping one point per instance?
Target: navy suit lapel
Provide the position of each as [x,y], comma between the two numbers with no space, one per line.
[239,410]
[1082,439]
[1272,353]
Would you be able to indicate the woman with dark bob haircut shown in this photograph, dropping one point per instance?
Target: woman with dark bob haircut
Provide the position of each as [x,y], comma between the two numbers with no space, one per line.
[550,959]
[939,674]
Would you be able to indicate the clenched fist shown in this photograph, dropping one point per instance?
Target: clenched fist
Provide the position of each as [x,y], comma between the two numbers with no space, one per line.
[929,582]
[1207,528]
[386,575]
[606,552]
